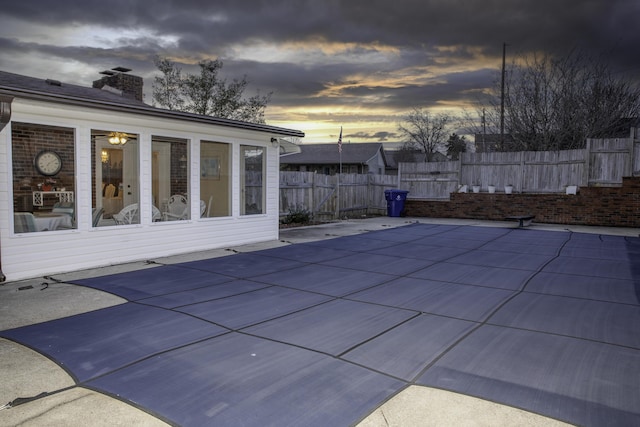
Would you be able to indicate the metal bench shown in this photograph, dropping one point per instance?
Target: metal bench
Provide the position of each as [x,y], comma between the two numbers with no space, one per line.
[524,220]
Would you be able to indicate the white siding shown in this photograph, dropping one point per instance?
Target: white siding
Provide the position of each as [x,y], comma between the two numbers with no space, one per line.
[37,254]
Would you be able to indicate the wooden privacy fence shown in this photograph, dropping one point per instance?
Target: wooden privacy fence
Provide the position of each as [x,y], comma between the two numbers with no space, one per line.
[602,163]
[356,195]
[611,159]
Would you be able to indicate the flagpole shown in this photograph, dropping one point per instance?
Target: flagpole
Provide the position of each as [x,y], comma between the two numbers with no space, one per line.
[339,176]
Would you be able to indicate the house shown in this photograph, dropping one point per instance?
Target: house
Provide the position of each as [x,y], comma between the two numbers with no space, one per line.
[94,176]
[391,167]
[621,128]
[627,127]
[491,142]
[359,158]
[396,156]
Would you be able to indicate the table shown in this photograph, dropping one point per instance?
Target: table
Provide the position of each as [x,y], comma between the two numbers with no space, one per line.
[47,221]
[63,196]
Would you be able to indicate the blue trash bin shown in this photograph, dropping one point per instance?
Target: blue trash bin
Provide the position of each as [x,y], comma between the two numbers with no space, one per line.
[395,201]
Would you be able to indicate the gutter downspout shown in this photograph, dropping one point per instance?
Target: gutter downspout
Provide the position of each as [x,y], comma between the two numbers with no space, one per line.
[5,117]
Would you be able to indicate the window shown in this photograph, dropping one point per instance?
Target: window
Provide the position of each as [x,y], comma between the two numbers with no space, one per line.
[115,178]
[215,179]
[253,180]
[43,177]
[170,178]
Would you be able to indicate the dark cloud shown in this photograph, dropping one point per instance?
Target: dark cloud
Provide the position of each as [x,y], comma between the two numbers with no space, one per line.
[364,55]
[534,24]
[371,136]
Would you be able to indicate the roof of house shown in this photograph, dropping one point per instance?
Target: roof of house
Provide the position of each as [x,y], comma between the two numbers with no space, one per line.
[410,157]
[17,85]
[57,88]
[621,128]
[390,157]
[492,138]
[323,154]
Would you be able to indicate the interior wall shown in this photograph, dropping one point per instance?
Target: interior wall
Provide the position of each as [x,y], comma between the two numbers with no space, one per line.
[27,141]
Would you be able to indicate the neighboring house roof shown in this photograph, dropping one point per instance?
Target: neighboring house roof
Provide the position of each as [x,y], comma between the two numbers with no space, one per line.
[390,157]
[406,157]
[622,128]
[328,154]
[51,90]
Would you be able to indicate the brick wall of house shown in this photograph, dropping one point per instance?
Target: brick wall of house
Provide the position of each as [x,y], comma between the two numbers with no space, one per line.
[603,206]
[27,141]
[179,171]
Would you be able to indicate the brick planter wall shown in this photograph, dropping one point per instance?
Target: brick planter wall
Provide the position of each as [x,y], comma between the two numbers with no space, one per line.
[603,206]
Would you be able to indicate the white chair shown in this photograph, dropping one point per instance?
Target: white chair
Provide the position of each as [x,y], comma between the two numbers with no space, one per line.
[157,215]
[177,209]
[128,215]
[209,206]
[23,222]
[96,216]
[65,208]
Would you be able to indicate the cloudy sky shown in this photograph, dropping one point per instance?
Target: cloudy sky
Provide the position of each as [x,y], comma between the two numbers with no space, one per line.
[361,64]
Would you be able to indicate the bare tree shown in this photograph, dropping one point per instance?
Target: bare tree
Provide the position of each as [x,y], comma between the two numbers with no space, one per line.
[555,103]
[426,131]
[207,94]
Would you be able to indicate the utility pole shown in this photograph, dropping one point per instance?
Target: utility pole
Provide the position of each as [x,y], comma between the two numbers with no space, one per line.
[504,55]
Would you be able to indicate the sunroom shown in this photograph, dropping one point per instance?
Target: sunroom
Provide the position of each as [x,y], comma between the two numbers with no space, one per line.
[94,177]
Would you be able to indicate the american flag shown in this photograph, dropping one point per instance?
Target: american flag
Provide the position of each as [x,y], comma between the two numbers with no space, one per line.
[340,141]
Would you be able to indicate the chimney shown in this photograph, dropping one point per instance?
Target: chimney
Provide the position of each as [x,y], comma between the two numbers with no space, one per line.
[130,85]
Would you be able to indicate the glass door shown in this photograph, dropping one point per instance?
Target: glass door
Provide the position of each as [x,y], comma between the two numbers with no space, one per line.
[115,178]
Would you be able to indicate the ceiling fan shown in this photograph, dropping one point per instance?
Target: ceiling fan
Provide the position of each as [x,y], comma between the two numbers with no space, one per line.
[115,137]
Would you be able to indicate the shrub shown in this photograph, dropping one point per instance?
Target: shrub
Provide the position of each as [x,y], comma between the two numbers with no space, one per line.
[298,215]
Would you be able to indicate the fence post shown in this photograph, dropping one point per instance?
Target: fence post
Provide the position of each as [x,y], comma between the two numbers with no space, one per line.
[369,194]
[312,199]
[522,170]
[337,192]
[629,162]
[635,138]
[586,174]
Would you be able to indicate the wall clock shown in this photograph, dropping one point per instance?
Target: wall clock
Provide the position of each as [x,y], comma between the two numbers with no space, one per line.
[48,162]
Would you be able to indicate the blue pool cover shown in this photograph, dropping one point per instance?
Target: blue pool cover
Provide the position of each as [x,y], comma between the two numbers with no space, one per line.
[322,333]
